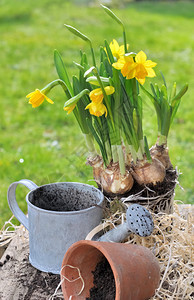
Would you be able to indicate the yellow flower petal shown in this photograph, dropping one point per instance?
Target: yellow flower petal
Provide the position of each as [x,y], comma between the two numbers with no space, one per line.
[97,109]
[37,98]
[36,103]
[69,109]
[119,64]
[129,70]
[121,51]
[151,72]
[141,80]
[141,71]
[48,99]
[109,90]
[114,46]
[96,95]
[150,64]
[129,59]
[141,57]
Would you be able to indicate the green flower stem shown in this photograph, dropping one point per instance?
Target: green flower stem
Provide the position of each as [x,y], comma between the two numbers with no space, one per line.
[117,109]
[139,154]
[54,83]
[90,144]
[114,153]
[115,18]
[124,39]
[141,145]
[138,109]
[93,56]
[127,152]
[147,151]
[121,159]
[127,148]
[162,140]
[108,150]
[104,94]
[133,153]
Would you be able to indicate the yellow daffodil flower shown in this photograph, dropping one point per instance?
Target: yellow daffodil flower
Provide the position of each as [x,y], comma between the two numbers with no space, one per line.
[127,66]
[97,109]
[70,108]
[37,98]
[139,69]
[144,67]
[97,95]
[117,51]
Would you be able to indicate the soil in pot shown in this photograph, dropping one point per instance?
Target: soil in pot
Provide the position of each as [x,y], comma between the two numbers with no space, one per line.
[58,198]
[104,283]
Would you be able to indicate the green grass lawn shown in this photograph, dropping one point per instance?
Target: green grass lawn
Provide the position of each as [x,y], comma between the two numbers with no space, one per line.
[44,144]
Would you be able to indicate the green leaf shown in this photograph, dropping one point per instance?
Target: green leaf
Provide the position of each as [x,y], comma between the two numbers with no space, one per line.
[135,120]
[108,68]
[180,94]
[84,59]
[109,52]
[152,98]
[165,117]
[153,91]
[90,70]
[164,91]
[147,151]
[173,92]
[163,79]
[103,54]
[174,110]
[158,93]
[61,70]
[96,137]
[80,67]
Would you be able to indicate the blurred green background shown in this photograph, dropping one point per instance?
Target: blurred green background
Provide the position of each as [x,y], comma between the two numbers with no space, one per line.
[44,144]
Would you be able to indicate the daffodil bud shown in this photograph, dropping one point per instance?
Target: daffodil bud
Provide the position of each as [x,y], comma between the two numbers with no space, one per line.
[78,33]
[112,15]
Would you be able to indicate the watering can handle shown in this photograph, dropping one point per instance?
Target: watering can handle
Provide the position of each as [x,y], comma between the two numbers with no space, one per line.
[11,198]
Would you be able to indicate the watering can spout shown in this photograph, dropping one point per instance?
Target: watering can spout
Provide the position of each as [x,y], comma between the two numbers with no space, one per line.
[138,221]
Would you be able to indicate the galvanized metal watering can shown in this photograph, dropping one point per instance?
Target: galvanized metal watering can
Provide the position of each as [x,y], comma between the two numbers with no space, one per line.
[52,232]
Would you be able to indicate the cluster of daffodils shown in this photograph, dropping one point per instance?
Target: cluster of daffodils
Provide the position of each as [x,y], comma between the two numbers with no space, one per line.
[107,104]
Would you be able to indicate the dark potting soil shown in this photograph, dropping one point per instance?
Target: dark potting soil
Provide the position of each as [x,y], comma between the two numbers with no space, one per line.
[55,197]
[104,283]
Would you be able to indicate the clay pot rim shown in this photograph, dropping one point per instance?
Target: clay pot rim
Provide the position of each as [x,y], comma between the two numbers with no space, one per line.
[98,247]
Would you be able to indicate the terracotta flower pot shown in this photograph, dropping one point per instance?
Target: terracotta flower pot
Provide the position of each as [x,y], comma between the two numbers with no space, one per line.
[135,269]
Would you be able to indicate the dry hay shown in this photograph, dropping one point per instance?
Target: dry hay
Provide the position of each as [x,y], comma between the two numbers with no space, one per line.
[7,233]
[172,242]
